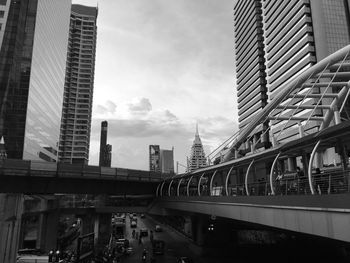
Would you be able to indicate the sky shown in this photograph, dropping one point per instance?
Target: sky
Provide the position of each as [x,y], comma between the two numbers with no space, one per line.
[161,67]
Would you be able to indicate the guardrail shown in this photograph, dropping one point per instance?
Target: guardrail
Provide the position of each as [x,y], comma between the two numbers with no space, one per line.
[15,167]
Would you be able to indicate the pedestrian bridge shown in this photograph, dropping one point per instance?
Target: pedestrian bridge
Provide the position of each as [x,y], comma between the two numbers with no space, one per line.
[36,177]
[288,168]
[257,179]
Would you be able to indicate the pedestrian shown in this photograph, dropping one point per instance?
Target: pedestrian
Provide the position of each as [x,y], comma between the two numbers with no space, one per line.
[151,236]
[140,240]
[133,233]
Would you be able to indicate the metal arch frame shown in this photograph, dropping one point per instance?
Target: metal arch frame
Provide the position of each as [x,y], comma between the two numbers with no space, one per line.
[226,180]
[282,92]
[161,188]
[313,153]
[178,187]
[157,193]
[246,177]
[271,173]
[199,184]
[169,187]
[211,182]
[188,186]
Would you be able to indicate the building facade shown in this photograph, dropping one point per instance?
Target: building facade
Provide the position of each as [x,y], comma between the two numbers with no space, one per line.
[298,34]
[105,149]
[275,41]
[197,158]
[167,161]
[79,86]
[32,69]
[250,62]
[33,48]
[154,158]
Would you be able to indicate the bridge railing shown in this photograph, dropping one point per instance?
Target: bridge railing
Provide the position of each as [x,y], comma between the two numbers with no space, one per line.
[16,167]
[327,182]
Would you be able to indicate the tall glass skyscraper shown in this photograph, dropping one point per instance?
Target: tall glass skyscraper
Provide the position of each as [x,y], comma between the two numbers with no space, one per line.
[34,39]
[33,47]
[79,86]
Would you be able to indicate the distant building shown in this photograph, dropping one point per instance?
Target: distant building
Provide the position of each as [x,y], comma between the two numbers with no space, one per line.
[154,158]
[79,86]
[161,161]
[197,158]
[105,149]
[167,161]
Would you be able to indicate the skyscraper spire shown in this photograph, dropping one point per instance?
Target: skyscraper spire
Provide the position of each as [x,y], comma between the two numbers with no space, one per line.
[197,158]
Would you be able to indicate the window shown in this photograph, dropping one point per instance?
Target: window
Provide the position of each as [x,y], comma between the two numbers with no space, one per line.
[2,13]
[3,2]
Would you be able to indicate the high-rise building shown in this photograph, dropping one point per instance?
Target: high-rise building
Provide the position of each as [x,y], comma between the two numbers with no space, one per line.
[197,158]
[154,158]
[105,149]
[33,48]
[79,85]
[298,34]
[250,61]
[274,42]
[167,161]
[34,36]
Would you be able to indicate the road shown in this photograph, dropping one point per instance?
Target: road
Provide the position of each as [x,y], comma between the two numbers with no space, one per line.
[176,245]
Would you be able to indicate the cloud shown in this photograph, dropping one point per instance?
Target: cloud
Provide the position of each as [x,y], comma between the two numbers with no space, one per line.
[140,106]
[108,107]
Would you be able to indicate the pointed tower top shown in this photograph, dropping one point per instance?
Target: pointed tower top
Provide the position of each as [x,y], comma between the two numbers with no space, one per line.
[197,129]
[2,140]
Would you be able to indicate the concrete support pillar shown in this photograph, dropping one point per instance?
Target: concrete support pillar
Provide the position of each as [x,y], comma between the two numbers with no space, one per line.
[198,227]
[104,229]
[40,242]
[188,226]
[50,233]
[11,209]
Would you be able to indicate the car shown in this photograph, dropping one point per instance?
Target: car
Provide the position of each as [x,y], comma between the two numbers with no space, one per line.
[143,216]
[129,251]
[122,242]
[133,224]
[143,232]
[158,228]
[184,260]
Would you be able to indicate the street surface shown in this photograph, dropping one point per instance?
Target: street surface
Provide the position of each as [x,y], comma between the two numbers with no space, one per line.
[176,245]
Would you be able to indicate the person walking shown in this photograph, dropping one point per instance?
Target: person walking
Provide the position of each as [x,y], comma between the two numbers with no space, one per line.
[140,240]
[151,236]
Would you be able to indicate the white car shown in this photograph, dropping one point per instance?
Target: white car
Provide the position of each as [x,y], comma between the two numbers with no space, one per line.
[158,228]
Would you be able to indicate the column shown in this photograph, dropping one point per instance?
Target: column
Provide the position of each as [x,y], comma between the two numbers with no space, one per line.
[11,209]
